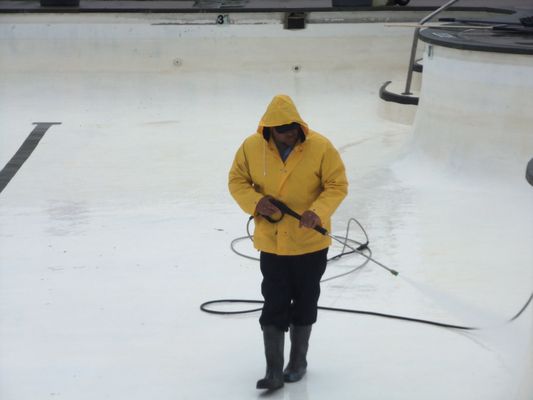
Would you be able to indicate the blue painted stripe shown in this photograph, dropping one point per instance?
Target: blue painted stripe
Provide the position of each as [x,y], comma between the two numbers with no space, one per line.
[24,152]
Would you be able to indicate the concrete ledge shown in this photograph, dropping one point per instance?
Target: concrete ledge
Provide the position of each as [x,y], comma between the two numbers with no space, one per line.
[506,39]
[87,6]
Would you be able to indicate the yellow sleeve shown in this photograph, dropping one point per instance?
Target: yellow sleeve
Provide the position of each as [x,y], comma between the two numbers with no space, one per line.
[241,185]
[334,182]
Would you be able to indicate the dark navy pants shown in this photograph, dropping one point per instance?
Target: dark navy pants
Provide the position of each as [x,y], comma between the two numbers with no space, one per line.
[291,288]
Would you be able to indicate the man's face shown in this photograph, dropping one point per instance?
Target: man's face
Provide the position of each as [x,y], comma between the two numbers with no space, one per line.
[287,138]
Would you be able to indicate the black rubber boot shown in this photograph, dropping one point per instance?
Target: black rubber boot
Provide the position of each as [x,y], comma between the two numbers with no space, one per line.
[297,365]
[274,343]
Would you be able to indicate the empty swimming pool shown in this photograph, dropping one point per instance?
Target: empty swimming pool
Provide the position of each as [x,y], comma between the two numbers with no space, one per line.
[117,226]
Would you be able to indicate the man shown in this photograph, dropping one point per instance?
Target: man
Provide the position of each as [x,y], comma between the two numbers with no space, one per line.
[287,161]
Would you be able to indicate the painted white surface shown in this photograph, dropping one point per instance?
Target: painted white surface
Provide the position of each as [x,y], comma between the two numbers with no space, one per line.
[118,226]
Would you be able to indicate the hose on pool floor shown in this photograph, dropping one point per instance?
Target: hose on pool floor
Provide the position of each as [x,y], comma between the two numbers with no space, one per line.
[349,243]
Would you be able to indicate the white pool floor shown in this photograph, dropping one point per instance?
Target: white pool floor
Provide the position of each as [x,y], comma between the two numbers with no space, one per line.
[118,226]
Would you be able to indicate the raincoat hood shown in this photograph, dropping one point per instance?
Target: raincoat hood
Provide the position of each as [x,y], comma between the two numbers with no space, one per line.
[281,111]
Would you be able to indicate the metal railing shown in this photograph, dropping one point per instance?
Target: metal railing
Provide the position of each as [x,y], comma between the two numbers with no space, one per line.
[415,43]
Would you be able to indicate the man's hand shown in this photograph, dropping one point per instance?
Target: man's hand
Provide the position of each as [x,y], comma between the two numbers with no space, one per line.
[265,207]
[310,220]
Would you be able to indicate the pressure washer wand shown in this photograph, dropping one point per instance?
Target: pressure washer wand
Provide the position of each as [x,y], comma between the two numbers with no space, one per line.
[287,210]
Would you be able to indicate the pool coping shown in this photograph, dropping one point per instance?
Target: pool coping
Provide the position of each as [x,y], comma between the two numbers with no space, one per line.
[503,41]
[98,6]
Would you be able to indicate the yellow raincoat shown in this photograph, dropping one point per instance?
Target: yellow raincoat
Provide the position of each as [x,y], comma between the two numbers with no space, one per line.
[312,178]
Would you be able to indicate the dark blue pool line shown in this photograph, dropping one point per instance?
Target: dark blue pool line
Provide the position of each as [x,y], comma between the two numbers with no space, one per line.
[24,152]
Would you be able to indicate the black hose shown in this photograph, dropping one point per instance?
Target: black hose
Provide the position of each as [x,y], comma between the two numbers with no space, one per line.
[204,308]
[362,247]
